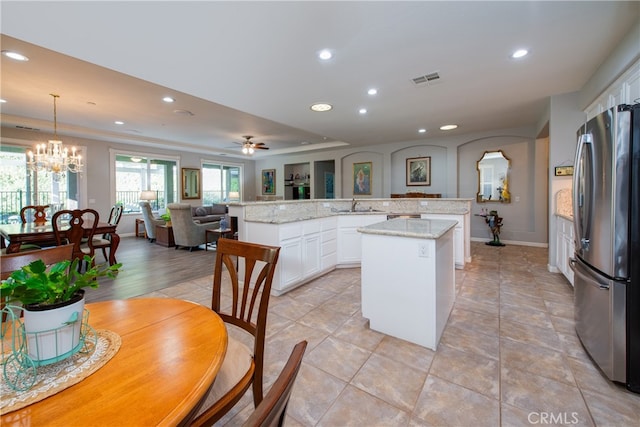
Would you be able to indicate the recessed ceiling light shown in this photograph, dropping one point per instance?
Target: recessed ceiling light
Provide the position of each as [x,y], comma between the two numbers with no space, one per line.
[448,127]
[519,53]
[321,106]
[168,99]
[372,91]
[119,122]
[423,130]
[325,54]
[362,111]
[14,55]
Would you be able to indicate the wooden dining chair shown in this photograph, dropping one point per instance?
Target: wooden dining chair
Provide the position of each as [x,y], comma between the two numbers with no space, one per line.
[273,408]
[242,367]
[103,242]
[36,213]
[82,224]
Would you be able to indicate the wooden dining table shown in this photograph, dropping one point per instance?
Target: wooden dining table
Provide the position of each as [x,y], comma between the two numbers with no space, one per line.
[19,234]
[170,354]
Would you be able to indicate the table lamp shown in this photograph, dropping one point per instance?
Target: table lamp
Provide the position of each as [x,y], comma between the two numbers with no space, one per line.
[148,195]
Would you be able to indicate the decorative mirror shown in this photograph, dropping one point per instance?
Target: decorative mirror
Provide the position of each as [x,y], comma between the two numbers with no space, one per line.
[493,178]
[190,183]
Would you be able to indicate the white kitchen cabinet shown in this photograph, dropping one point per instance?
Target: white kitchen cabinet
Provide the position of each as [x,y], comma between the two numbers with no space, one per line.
[349,240]
[459,243]
[565,247]
[300,257]
[328,243]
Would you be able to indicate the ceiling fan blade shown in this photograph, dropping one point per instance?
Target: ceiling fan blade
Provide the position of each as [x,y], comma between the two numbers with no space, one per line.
[260,147]
[258,143]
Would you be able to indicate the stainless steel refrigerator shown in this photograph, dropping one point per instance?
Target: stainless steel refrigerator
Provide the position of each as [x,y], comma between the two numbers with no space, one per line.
[606,209]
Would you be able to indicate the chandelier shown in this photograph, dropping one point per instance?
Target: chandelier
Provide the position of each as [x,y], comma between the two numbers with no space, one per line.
[53,156]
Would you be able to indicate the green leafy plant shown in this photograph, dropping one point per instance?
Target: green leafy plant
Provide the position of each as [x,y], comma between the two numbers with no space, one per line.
[166,216]
[36,284]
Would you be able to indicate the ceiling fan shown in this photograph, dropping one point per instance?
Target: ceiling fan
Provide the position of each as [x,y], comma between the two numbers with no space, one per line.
[248,146]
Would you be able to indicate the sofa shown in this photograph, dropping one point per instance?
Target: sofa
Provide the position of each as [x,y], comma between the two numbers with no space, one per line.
[186,232]
[205,214]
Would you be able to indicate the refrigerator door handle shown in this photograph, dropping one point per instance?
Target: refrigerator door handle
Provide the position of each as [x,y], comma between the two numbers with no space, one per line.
[582,235]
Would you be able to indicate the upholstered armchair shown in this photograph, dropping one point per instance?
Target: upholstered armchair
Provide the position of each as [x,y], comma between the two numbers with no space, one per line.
[186,232]
[150,221]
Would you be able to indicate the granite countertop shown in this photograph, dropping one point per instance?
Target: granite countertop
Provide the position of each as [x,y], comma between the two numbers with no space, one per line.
[412,227]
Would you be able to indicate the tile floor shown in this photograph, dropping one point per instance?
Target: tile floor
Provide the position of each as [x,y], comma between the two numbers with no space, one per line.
[509,355]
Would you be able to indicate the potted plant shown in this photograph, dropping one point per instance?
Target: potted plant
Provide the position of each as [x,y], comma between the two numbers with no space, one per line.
[53,303]
[167,217]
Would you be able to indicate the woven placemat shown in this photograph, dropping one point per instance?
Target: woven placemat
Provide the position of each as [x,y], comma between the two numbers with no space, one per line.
[51,379]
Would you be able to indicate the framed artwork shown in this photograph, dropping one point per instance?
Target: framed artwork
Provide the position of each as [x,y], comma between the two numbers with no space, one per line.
[190,183]
[362,178]
[328,185]
[268,181]
[419,171]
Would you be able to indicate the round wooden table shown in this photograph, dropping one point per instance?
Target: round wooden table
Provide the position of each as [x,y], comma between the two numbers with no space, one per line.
[170,354]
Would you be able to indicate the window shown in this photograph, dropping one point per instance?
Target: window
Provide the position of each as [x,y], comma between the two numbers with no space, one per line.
[221,183]
[137,172]
[22,187]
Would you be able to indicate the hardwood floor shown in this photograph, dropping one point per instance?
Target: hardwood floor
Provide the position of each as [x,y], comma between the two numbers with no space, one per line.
[147,267]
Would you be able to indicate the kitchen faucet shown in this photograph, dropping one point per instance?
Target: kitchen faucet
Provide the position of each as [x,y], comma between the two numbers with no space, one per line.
[354,203]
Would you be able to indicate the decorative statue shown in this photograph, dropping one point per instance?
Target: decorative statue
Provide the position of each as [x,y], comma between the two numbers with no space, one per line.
[495,222]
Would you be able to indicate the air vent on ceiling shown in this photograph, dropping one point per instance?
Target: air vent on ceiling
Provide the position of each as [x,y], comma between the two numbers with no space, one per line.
[27,128]
[430,78]
[183,112]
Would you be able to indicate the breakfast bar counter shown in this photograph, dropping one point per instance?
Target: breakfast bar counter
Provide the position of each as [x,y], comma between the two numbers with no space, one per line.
[408,278]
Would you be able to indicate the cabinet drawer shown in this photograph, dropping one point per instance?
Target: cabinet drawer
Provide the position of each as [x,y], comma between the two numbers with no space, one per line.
[329,235]
[329,247]
[289,231]
[310,227]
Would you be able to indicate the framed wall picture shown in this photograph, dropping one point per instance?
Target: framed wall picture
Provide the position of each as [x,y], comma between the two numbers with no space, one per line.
[268,181]
[419,171]
[190,183]
[362,178]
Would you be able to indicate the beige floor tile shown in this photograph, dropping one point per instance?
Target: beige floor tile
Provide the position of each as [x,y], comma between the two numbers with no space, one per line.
[466,340]
[313,394]
[621,409]
[537,360]
[357,408]
[338,358]
[535,393]
[475,372]
[477,322]
[356,331]
[524,314]
[324,319]
[390,380]
[442,403]
[408,353]
[530,334]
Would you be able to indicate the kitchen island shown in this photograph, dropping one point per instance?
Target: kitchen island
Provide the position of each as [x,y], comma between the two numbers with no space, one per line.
[408,278]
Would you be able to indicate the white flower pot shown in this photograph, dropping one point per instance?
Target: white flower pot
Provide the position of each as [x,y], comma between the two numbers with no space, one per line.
[53,334]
